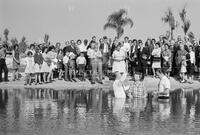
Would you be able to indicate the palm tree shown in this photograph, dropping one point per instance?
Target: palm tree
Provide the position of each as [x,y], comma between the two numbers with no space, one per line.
[118,20]
[169,18]
[46,38]
[6,32]
[186,22]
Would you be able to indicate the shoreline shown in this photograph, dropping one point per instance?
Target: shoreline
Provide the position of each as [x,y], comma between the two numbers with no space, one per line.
[150,83]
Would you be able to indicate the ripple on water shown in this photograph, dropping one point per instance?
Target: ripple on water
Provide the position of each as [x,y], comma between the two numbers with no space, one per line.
[49,112]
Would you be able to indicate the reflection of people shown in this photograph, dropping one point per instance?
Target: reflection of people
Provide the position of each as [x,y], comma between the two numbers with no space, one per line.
[164,84]
[119,85]
[118,106]
[164,110]
[138,104]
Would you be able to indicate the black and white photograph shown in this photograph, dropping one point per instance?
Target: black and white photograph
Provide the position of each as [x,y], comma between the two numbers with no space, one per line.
[99,67]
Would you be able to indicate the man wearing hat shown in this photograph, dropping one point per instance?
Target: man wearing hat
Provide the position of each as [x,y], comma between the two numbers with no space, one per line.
[3,66]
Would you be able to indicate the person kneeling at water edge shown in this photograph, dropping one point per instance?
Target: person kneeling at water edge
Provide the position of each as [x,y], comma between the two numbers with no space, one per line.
[163,86]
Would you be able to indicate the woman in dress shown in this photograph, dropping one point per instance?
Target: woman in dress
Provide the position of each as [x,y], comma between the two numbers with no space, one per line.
[119,64]
[16,62]
[167,62]
[46,64]
[52,56]
[156,53]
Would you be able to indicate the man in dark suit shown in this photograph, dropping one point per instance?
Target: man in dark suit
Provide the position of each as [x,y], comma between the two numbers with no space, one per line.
[3,66]
[106,50]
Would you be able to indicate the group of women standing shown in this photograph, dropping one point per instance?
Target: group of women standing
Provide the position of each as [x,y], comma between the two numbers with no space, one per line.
[40,63]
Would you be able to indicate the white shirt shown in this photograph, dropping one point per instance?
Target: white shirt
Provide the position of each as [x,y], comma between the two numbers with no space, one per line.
[126,47]
[91,53]
[81,60]
[82,48]
[164,84]
[192,57]
[105,49]
[66,59]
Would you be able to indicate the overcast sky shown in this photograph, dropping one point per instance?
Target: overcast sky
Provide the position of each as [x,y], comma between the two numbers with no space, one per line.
[73,19]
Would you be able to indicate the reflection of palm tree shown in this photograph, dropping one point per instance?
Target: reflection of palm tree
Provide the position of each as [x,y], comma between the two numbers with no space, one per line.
[117,21]
[169,18]
[186,22]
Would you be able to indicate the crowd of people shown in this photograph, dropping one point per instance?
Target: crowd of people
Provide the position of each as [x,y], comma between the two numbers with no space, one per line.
[97,58]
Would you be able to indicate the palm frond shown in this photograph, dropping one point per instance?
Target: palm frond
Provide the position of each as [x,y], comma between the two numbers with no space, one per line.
[182,14]
[191,36]
[126,21]
[116,16]
[186,26]
[109,25]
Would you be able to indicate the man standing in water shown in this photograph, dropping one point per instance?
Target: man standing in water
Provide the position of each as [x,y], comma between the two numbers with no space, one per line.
[164,85]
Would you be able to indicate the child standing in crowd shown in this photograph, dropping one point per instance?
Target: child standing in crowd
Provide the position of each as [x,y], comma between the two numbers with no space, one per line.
[81,62]
[16,62]
[66,65]
[29,70]
[137,89]
[60,64]
[72,71]
[183,69]
[38,59]
[46,64]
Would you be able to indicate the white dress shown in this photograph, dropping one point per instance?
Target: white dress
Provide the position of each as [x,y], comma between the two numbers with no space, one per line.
[183,67]
[45,67]
[52,56]
[119,88]
[29,65]
[156,53]
[38,68]
[119,66]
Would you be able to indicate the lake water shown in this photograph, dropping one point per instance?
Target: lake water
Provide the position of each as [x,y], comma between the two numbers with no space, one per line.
[95,112]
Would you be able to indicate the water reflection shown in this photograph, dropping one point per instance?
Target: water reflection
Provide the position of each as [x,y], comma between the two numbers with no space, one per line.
[47,111]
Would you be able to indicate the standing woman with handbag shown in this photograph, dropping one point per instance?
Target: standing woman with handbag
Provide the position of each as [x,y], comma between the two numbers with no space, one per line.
[156,53]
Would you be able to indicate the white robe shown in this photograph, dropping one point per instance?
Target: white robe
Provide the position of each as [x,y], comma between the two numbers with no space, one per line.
[119,88]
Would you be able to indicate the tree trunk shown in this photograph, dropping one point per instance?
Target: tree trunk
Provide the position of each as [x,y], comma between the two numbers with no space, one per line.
[172,34]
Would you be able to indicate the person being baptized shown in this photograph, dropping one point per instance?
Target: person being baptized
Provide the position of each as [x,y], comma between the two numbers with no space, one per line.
[137,88]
